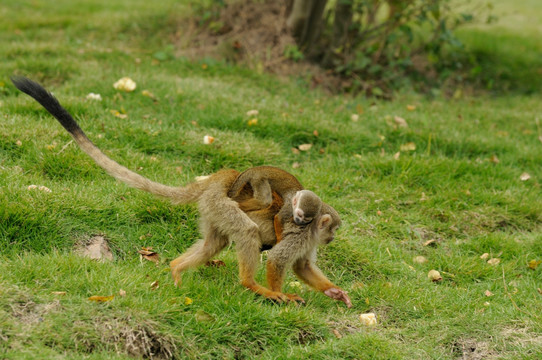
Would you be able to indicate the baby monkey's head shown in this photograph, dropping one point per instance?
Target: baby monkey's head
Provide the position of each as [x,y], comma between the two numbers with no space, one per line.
[306,206]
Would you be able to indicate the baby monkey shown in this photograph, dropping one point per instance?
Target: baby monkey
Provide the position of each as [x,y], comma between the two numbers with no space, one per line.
[306,206]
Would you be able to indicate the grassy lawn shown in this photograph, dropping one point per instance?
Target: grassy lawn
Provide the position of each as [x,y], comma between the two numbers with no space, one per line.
[448,187]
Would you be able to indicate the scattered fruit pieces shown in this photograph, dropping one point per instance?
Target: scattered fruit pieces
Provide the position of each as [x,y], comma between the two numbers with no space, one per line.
[125,84]
[420,259]
[93,96]
[368,319]
[434,276]
[252,112]
[494,261]
[207,139]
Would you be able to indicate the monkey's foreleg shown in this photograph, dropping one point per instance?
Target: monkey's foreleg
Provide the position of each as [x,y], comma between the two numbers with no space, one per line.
[308,272]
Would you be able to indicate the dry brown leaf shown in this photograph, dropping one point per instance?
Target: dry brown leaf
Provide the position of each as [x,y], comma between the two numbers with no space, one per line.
[488,293]
[494,261]
[434,275]
[431,242]
[337,333]
[215,263]
[494,159]
[396,155]
[296,165]
[484,256]
[533,264]
[409,146]
[305,147]
[315,133]
[399,121]
[296,151]
[59,293]
[149,254]
[148,94]
[122,292]
[155,285]
[101,299]
[539,291]
[524,177]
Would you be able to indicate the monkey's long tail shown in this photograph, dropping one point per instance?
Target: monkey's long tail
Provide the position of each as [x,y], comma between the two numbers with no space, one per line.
[179,195]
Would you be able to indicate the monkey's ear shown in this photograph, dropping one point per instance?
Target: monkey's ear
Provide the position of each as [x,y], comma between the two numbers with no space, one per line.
[324,221]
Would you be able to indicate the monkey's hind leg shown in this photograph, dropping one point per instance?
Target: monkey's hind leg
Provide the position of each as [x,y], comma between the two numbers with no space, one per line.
[198,254]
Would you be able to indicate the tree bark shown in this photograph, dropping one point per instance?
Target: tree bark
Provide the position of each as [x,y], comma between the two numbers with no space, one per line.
[305,21]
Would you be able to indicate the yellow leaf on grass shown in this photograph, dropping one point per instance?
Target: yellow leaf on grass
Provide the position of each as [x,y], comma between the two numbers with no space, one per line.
[409,146]
[101,299]
[533,264]
[187,301]
[411,107]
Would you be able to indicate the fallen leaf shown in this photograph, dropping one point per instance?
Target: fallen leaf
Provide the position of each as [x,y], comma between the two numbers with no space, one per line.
[411,107]
[204,66]
[296,165]
[315,133]
[420,259]
[359,109]
[148,94]
[215,263]
[118,114]
[59,293]
[296,151]
[488,293]
[207,139]
[539,291]
[187,301]
[19,143]
[487,303]
[305,147]
[494,261]
[202,316]
[93,96]
[524,177]
[368,319]
[337,333]
[432,242]
[397,155]
[533,264]
[125,84]
[252,122]
[149,254]
[354,117]
[540,138]
[409,146]
[399,121]
[434,275]
[484,256]
[155,285]
[122,292]
[101,299]
[494,159]
[252,113]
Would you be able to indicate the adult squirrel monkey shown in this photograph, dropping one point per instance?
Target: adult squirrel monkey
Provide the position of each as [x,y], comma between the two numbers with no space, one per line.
[222,219]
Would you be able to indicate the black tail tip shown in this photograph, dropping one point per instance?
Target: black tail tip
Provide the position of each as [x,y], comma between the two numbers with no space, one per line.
[23,83]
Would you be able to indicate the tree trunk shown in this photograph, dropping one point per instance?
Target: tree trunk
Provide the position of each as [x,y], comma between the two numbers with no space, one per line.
[305,22]
[341,25]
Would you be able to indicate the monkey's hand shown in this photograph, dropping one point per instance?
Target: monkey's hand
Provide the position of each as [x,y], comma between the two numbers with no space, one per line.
[339,294]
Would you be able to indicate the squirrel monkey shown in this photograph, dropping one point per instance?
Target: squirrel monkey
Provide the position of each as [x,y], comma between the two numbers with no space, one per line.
[240,219]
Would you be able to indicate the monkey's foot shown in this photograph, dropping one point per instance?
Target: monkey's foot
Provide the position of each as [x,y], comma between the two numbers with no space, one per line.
[295,298]
[339,294]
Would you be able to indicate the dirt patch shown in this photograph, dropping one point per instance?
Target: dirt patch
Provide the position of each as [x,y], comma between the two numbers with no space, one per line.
[472,349]
[30,313]
[127,336]
[96,247]
[253,34]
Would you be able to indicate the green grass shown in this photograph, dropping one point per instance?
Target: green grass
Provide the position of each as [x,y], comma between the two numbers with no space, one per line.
[447,189]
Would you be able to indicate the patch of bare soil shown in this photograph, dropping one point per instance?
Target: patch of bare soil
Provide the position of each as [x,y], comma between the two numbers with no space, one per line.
[138,340]
[252,34]
[29,313]
[96,247]
[472,349]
